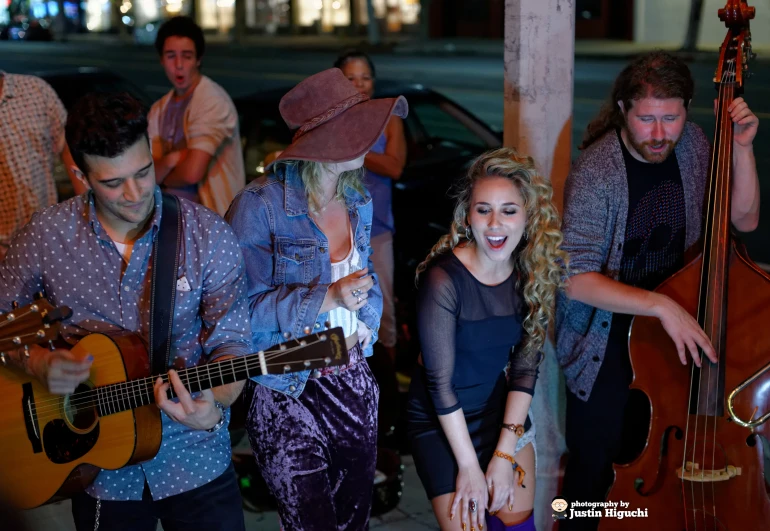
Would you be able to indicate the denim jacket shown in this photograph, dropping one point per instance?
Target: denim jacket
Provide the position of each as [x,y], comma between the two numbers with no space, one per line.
[288,267]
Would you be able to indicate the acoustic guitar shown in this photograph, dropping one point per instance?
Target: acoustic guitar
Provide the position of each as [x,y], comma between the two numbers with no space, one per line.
[52,446]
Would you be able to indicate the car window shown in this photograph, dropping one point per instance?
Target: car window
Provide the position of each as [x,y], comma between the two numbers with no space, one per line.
[442,122]
[264,134]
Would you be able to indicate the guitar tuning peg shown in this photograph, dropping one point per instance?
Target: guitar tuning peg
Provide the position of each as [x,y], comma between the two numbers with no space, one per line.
[307,330]
[3,359]
[15,305]
[327,324]
[39,295]
[287,335]
[51,345]
[26,351]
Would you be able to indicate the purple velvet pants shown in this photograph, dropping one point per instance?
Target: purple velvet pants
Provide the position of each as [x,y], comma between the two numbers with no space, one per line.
[317,452]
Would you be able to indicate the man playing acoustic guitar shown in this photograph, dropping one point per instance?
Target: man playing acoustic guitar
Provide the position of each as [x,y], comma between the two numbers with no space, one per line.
[94,254]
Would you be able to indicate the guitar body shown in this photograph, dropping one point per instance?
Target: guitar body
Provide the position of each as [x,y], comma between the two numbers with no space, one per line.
[48,441]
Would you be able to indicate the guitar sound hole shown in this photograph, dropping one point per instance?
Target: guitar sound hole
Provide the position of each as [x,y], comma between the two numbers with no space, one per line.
[80,412]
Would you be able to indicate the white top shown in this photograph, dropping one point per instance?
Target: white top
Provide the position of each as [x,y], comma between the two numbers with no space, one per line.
[342,316]
[124,249]
[211,125]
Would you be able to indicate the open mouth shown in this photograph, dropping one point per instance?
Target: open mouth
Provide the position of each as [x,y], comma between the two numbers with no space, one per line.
[496,242]
[179,79]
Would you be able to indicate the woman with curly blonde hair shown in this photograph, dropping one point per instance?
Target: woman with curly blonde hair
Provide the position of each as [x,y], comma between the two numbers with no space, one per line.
[486,294]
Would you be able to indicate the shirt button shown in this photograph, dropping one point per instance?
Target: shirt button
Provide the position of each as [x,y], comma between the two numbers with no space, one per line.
[596,358]
[322,249]
[126,288]
[292,388]
[605,324]
[582,393]
[296,256]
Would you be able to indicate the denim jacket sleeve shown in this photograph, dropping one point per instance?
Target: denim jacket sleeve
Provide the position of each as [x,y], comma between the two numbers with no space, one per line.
[274,309]
[371,312]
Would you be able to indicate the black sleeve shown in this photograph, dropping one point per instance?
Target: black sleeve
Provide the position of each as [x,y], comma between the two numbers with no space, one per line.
[437,311]
[522,370]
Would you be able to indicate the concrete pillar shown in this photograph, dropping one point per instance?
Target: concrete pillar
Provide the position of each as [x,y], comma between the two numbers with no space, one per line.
[539,70]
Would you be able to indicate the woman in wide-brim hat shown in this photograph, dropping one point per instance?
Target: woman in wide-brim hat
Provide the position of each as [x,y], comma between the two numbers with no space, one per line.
[304,231]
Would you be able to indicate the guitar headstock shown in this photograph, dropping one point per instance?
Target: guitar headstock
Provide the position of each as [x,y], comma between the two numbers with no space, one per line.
[313,351]
[735,52]
[35,323]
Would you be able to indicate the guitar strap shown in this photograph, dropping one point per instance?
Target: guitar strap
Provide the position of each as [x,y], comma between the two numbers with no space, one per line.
[165,264]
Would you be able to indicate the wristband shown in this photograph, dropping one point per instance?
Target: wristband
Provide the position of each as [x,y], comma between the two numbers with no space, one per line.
[221,421]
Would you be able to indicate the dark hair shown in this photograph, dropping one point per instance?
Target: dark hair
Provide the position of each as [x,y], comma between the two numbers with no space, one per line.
[181,27]
[655,74]
[104,125]
[350,55]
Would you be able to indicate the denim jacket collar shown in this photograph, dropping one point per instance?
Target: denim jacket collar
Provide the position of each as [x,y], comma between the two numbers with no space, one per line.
[295,201]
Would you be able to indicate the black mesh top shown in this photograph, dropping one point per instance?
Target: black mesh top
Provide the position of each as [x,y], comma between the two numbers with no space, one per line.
[468,332]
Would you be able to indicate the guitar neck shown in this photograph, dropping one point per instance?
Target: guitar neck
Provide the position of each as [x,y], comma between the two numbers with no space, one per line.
[123,396]
[325,349]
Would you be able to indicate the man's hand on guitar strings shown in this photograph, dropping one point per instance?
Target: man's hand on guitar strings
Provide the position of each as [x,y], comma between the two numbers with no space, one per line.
[199,413]
[60,370]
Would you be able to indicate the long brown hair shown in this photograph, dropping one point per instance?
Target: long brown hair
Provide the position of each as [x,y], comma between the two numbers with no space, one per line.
[540,261]
[656,74]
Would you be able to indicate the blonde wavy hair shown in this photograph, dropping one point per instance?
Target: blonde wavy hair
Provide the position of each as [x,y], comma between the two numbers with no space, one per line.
[539,258]
[310,172]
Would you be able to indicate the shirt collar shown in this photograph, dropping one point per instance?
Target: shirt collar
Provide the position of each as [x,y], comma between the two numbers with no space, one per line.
[7,85]
[296,203]
[98,228]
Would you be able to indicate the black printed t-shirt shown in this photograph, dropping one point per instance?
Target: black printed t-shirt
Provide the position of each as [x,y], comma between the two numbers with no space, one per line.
[654,244]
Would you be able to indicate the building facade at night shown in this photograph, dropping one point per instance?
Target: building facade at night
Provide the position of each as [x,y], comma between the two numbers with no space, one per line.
[651,22]
[261,16]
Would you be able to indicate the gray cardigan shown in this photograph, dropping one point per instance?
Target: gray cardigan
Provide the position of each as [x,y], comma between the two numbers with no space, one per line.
[595,214]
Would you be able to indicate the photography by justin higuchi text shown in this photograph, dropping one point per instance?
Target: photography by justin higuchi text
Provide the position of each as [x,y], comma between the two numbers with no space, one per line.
[567,510]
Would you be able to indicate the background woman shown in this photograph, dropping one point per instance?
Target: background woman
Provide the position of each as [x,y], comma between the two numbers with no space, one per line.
[305,235]
[383,164]
[485,296]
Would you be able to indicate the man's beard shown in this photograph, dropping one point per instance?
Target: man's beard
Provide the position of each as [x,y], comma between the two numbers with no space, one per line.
[649,156]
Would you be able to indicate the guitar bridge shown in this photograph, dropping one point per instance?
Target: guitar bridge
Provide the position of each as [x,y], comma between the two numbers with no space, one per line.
[30,418]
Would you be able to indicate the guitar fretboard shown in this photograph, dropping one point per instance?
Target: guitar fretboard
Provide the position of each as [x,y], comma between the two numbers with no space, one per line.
[136,393]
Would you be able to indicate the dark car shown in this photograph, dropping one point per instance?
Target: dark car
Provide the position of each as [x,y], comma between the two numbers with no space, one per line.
[442,138]
[72,84]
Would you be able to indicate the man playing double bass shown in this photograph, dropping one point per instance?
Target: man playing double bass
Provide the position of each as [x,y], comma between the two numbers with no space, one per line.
[633,205]
[94,254]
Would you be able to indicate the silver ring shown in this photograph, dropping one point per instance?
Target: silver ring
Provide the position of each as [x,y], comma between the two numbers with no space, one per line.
[359,300]
[473,505]
[356,292]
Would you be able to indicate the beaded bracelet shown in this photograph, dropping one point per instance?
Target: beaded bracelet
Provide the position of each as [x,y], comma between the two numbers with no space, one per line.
[516,465]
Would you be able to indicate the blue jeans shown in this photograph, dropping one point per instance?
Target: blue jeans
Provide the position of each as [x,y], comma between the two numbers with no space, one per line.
[214,506]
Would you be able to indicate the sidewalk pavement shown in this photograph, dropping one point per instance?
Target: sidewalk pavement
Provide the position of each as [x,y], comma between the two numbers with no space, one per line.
[409,45]
[414,512]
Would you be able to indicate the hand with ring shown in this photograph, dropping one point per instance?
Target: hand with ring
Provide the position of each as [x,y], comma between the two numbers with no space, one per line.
[470,498]
[350,292]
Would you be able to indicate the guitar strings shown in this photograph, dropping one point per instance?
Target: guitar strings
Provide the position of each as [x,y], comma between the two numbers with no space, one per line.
[724,189]
[6,322]
[149,392]
[112,393]
[717,161]
[140,383]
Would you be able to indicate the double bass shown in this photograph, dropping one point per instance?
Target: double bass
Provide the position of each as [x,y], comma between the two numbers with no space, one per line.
[702,466]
